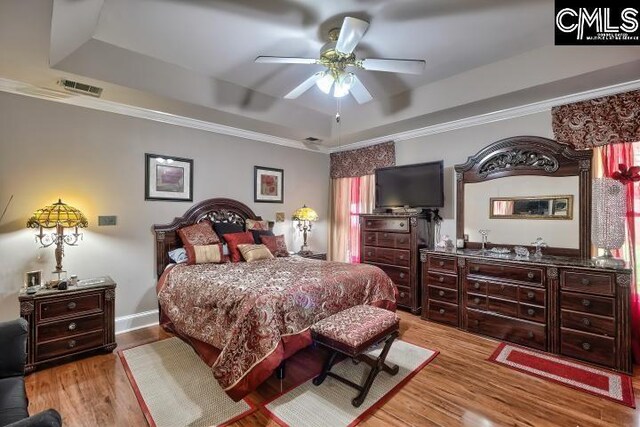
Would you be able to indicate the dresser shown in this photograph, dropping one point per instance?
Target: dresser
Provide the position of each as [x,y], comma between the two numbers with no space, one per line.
[563,305]
[69,322]
[392,242]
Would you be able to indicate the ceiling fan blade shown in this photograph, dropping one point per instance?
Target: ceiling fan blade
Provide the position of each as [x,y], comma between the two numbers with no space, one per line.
[284,60]
[359,92]
[407,66]
[351,33]
[304,86]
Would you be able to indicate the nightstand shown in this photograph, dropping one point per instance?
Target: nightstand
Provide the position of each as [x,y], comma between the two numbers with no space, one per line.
[320,256]
[70,322]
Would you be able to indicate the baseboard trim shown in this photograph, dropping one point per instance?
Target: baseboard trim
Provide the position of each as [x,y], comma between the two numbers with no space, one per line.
[135,321]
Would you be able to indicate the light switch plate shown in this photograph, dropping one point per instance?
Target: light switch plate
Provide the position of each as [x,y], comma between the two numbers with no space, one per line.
[279,216]
[107,220]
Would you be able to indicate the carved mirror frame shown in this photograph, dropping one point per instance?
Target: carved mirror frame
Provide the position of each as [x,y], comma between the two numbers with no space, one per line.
[530,155]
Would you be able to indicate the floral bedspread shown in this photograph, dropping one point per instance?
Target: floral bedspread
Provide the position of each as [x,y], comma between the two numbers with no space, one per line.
[247,309]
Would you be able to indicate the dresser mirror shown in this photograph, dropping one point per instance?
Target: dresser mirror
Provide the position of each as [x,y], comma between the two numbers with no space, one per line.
[558,207]
[514,188]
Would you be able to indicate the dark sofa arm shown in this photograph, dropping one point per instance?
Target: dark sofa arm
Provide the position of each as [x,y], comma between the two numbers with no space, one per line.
[13,342]
[48,418]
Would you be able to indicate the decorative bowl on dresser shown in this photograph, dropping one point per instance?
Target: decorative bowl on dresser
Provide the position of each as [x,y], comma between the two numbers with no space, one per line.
[563,305]
[391,242]
[69,322]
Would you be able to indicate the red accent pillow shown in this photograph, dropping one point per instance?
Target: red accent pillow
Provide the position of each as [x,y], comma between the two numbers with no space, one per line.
[199,234]
[235,239]
[276,245]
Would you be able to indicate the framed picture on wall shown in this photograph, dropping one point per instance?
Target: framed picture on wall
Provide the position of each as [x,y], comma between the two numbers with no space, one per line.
[268,185]
[168,178]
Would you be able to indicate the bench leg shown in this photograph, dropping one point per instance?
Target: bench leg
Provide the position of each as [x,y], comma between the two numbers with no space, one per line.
[280,372]
[379,366]
[326,368]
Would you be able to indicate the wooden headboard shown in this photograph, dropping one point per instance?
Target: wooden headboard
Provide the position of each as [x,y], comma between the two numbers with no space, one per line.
[215,210]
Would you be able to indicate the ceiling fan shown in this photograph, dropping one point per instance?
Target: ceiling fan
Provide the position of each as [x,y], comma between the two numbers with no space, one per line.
[336,56]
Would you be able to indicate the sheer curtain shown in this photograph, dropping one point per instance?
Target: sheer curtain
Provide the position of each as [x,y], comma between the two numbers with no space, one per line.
[350,197]
[607,160]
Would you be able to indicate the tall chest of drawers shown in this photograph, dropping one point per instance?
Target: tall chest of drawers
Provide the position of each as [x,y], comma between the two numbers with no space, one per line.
[70,322]
[561,305]
[392,242]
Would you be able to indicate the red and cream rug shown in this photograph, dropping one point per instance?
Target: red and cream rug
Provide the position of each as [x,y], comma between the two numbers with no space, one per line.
[174,387]
[610,385]
[329,404]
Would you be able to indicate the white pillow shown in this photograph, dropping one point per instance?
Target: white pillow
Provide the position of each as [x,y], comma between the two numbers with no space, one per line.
[178,255]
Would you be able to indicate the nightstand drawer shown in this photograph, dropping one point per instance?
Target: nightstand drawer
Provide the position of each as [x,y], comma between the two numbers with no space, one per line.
[61,307]
[70,345]
[65,328]
[405,298]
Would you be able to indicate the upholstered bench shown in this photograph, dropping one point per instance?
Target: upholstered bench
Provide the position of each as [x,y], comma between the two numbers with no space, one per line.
[352,332]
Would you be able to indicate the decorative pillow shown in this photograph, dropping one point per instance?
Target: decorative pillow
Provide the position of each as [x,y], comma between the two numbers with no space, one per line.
[252,224]
[254,252]
[276,245]
[203,254]
[235,239]
[223,228]
[178,255]
[198,234]
[257,234]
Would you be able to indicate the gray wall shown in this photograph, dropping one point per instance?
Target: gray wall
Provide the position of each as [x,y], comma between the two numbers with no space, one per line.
[95,161]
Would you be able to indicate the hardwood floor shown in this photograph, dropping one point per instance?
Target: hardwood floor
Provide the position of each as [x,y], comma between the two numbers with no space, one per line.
[458,388]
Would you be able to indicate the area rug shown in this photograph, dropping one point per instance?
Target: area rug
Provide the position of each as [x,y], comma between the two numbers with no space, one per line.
[175,388]
[329,404]
[610,385]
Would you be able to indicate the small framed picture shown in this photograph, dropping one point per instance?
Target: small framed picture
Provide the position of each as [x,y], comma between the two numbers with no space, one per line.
[268,185]
[33,278]
[168,178]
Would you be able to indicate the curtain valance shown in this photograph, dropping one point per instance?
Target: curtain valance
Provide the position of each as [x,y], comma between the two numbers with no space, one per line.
[362,161]
[596,122]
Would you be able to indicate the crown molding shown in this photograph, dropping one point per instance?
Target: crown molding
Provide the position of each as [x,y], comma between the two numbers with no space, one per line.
[26,89]
[494,116]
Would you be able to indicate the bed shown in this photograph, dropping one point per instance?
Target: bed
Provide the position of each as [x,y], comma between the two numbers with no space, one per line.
[245,319]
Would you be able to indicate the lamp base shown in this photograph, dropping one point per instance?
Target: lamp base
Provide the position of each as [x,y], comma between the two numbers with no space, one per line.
[608,260]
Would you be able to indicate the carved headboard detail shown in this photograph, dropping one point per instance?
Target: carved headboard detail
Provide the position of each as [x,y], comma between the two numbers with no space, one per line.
[529,155]
[215,210]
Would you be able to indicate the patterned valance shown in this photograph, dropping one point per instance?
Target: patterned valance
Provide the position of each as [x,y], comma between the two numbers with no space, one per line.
[363,161]
[601,121]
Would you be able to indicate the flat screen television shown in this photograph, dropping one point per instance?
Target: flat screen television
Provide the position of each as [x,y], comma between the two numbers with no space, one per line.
[415,186]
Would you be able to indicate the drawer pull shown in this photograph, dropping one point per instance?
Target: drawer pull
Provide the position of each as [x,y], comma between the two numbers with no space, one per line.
[476,322]
[531,312]
[402,224]
[502,288]
[530,295]
[440,279]
[402,275]
[585,282]
[531,275]
[369,253]
[368,222]
[385,234]
[476,300]
[476,285]
[71,343]
[476,269]
[586,302]
[402,294]
[530,334]
[401,257]
[72,326]
[441,263]
[586,346]
[71,305]
[370,238]
[402,241]
[586,322]
[441,311]
[441,293]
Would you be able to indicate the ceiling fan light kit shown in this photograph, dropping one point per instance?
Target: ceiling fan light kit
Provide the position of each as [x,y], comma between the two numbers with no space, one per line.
[336,55]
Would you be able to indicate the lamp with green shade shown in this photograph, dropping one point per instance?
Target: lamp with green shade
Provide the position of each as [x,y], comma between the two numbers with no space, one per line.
[59,216]
[305,216]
